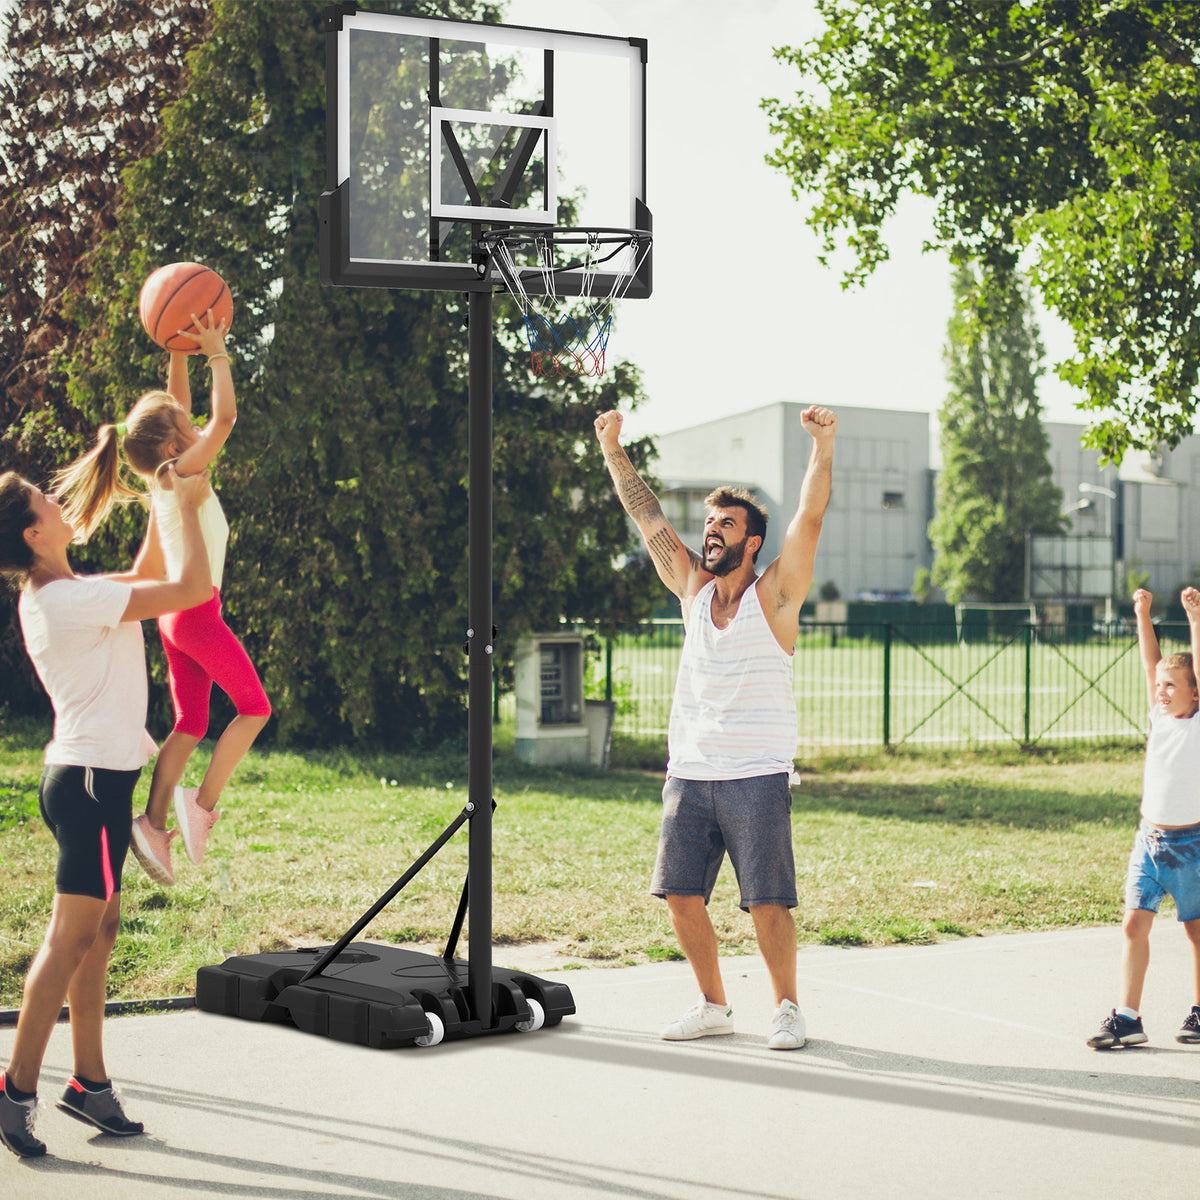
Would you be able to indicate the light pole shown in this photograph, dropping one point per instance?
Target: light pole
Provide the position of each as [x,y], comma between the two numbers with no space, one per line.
[1095,489]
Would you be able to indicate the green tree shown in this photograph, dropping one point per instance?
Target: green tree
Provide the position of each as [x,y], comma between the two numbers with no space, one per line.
[345,481]
[1065,130]
[82,97]
[995,485]
[922,584]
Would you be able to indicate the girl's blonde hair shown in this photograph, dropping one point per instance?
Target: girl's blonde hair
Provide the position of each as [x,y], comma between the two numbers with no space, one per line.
[91,485]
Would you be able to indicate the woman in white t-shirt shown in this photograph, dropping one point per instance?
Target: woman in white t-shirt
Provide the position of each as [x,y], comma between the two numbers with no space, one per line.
[85,640]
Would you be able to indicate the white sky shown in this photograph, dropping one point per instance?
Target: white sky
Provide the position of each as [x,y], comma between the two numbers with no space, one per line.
[742,312]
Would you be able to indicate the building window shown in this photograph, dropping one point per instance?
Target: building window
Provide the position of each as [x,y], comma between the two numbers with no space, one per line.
[893,499]
[684,508]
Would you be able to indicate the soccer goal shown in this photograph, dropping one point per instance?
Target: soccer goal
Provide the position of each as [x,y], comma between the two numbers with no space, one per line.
[979,622]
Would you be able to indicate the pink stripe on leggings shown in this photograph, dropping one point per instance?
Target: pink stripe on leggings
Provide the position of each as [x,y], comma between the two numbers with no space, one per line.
[106,865]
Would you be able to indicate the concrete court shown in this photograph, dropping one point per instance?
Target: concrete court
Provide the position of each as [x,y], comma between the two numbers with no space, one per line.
[956,1070]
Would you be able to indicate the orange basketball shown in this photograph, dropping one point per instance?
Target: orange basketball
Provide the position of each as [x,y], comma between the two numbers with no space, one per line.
[173,293]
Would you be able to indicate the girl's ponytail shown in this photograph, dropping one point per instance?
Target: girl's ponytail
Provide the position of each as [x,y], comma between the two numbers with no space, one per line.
[91,485]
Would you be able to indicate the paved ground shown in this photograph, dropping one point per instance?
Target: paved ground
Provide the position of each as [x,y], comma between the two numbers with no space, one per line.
[955,1071]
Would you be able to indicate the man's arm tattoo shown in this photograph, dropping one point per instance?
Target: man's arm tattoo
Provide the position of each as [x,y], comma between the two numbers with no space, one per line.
[637,498]
[664,546]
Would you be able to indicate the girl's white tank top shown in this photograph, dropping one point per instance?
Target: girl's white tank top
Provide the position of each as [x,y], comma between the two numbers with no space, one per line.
[213,526]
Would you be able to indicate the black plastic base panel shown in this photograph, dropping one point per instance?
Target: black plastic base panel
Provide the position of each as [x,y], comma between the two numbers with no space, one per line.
[371,995]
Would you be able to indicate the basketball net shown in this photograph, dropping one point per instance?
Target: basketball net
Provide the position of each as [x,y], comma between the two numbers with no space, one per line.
[568,336]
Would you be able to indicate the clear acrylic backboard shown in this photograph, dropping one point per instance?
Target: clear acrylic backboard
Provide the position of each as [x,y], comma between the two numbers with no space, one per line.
[440,130]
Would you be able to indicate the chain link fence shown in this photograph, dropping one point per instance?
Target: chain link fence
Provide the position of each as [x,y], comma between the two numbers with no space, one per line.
[886,684]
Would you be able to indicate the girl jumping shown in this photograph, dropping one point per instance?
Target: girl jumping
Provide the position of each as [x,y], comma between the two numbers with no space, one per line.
[199,646]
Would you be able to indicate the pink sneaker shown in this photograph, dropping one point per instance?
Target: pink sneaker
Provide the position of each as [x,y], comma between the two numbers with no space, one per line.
[152,848]
[195,823]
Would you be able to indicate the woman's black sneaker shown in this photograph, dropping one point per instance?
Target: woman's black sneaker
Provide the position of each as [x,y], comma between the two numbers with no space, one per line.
[102,1109]
[16,1125]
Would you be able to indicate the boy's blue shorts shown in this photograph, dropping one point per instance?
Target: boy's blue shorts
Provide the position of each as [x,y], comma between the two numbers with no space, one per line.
[1165,862]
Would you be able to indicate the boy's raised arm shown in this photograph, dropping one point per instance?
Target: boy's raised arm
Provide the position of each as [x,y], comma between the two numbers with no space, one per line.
[1190,598]
[1147,639]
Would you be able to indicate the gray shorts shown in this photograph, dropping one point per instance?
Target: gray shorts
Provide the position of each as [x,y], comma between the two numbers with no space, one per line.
[751,818]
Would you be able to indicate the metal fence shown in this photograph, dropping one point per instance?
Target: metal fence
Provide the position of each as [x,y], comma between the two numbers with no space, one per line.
[890,685]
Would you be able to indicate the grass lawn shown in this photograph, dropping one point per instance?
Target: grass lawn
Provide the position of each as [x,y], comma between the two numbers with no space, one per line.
[888,849]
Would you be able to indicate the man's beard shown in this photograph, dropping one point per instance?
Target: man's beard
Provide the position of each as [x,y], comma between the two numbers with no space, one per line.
[728,560]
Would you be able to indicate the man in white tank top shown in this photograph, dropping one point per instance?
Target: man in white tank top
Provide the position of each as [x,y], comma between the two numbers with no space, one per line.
[732,734]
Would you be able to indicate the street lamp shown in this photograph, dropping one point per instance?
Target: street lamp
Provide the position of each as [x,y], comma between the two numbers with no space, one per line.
[1095,489]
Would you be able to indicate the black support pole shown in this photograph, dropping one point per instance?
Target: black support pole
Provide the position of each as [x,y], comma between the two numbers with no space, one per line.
[479,649]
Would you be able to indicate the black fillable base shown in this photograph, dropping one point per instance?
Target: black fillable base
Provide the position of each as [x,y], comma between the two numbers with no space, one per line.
[379,996]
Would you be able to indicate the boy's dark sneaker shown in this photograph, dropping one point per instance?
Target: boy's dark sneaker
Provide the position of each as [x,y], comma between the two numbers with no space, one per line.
[1190,1031]
[16,1125]
[102,1109]
[1118,1031]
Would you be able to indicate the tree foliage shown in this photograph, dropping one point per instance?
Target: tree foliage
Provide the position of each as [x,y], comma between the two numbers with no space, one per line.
[85,90]
[345,481]
[83,96]
[1067,131]
[996,482]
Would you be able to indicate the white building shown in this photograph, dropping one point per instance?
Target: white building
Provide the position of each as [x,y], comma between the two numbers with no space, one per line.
[1149,509]
[884,489]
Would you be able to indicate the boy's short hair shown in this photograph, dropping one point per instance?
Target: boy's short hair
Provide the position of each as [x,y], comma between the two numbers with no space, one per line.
[1179,662]
[739,497]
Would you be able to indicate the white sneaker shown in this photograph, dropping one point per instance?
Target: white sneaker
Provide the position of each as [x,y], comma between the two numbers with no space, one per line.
[701,1020]
[195,823]
[152,848]
[787,1028]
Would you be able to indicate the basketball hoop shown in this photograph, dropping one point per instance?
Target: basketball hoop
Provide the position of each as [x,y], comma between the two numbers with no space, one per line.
[568,334]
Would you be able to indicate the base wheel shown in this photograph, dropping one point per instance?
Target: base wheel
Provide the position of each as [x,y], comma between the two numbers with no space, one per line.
[537,1016]
[437,1031]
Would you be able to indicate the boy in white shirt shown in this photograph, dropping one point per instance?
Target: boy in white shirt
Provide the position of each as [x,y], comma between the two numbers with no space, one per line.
[1166,852]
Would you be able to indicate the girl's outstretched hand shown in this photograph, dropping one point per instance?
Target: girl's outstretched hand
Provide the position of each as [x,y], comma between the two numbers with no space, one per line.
[210,334]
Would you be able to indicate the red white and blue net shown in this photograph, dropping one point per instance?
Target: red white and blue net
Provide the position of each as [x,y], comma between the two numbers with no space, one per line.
[567,335]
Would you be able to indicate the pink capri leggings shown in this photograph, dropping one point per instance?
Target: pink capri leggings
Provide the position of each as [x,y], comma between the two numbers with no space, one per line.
[202,651]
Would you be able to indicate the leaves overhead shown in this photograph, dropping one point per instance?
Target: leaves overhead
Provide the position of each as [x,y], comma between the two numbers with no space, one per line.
[83,97]
[1064,131]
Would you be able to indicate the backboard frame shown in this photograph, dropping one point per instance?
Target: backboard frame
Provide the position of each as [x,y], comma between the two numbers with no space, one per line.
[342,264]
